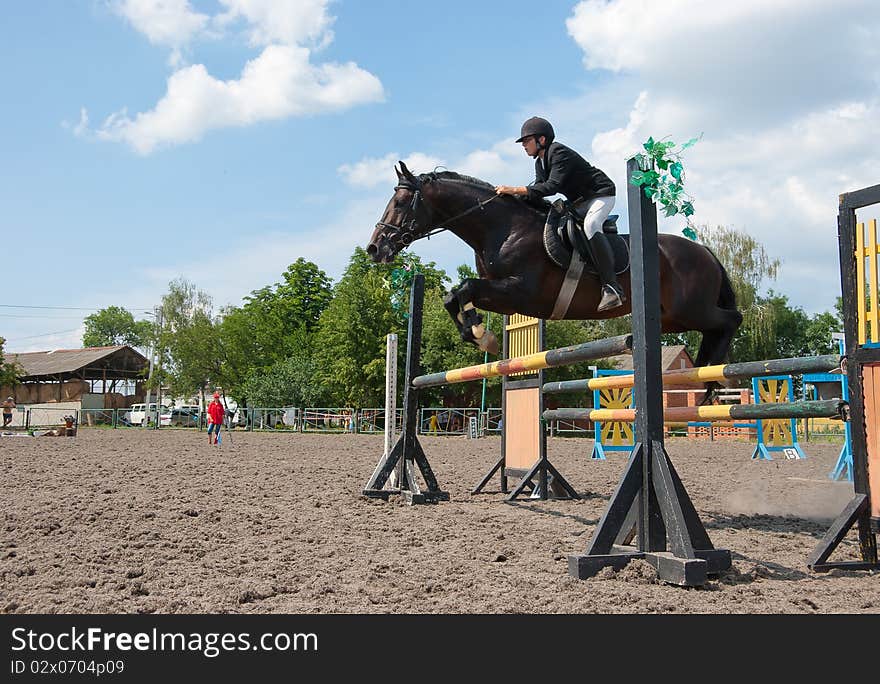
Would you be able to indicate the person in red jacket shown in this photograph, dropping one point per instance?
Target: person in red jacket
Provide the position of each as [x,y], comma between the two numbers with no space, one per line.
[216,413]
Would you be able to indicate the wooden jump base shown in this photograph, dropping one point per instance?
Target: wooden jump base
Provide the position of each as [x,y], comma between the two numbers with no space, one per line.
[861,320]
[407,453]
[775,435]
[650,498]
[730,371]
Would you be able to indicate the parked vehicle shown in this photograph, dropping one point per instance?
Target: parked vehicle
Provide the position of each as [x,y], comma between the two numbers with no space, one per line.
[138,415]
[185,416]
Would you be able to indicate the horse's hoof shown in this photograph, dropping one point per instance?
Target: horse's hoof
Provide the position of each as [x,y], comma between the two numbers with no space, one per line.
[488,343]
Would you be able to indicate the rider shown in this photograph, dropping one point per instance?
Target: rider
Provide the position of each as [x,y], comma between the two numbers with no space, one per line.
[559,169]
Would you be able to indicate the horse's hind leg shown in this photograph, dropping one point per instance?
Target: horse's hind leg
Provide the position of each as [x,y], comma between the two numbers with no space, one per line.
[715,345]
[717,337]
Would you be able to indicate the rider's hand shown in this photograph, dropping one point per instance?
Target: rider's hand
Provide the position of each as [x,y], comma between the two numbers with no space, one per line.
[506,190]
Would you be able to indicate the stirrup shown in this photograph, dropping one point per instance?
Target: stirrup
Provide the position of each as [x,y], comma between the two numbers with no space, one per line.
[611,299]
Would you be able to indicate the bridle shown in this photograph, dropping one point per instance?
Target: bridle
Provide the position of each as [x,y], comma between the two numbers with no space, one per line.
[412,228]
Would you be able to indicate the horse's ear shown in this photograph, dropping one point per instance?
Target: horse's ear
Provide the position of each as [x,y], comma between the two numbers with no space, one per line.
[398,171]
[406,172]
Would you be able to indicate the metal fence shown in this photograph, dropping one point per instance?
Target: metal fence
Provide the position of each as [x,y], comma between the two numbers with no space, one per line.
[491,421]
[440,421]
[446,421]
[329,420]
[373,420]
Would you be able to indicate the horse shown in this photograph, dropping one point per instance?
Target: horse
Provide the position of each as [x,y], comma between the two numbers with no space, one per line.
[517,276]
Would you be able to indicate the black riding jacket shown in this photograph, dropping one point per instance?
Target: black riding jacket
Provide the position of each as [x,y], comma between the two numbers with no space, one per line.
[565,171]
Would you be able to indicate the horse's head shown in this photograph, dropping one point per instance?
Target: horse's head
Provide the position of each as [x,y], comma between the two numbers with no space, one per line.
[406,218]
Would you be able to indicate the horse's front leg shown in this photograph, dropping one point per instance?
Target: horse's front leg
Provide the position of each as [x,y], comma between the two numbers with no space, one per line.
[490,295]
[469,322]
[453,308]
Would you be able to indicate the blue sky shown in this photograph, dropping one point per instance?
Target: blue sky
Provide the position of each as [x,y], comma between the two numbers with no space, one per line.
[218,141]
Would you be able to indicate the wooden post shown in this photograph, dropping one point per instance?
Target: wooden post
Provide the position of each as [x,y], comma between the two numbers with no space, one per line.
[649,496]
[407,453]
[863,374]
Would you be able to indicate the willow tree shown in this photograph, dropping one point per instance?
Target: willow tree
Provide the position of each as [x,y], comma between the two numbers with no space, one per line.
[749,267]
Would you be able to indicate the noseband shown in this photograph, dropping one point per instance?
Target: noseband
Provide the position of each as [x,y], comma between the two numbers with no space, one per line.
[413,229]
[409,230]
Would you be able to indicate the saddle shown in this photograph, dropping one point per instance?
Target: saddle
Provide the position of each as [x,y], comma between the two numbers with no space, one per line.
[561,234]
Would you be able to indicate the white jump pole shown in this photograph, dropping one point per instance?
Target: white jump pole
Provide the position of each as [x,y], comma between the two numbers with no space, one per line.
[390,390]
[390,398]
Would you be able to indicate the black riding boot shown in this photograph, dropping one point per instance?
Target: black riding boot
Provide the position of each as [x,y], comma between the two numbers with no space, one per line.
[603,257]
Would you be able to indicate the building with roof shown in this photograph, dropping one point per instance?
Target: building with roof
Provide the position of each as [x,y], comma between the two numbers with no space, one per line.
[672,357]
[73,379]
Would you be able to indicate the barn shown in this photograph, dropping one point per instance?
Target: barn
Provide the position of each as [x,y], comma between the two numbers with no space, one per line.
[68,380]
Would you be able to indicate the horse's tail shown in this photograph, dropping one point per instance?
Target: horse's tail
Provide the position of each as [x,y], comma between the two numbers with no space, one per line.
[726,295]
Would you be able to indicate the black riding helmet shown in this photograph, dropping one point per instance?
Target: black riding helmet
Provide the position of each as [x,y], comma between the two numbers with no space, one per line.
[537,127]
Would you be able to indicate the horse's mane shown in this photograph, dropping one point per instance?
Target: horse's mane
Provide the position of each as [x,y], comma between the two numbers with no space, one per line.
[479,184]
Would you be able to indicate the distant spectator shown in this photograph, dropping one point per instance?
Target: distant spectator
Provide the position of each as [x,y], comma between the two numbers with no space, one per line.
[433,424]
[8,405]
[216,413]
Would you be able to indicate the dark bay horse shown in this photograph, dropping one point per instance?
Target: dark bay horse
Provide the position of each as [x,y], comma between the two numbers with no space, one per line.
[517,276]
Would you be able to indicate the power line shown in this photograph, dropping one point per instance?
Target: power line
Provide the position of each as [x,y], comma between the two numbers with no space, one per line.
[67,308]
[30,337]
[41,317]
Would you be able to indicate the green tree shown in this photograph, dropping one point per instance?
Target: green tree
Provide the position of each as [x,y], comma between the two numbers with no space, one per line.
[189,357]
[350,338]
[269,327]
[115,326]
[9,372]
[798,334]
[289,382]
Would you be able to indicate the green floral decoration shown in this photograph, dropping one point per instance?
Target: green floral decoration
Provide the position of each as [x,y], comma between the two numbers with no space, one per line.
[661,175]
[399,282]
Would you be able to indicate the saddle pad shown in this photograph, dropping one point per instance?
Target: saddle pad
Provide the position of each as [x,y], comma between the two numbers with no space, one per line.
[560,252]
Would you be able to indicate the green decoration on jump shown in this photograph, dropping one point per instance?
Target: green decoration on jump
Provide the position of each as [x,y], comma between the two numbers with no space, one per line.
[399,282]
[661,175]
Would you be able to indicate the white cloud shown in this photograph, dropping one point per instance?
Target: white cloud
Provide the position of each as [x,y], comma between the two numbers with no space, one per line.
[372,172]
[502,162]
[787,126]
[283,81]
[290,22]
[170,23]
[769,59]
[280,83]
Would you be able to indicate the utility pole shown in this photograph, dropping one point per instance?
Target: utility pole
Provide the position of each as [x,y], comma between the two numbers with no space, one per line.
[155,313]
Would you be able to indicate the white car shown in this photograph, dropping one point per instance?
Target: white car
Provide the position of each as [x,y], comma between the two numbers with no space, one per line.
[138,415]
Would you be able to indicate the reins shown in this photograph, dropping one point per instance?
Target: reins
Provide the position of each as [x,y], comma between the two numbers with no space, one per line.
[406,234]
[479,205]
